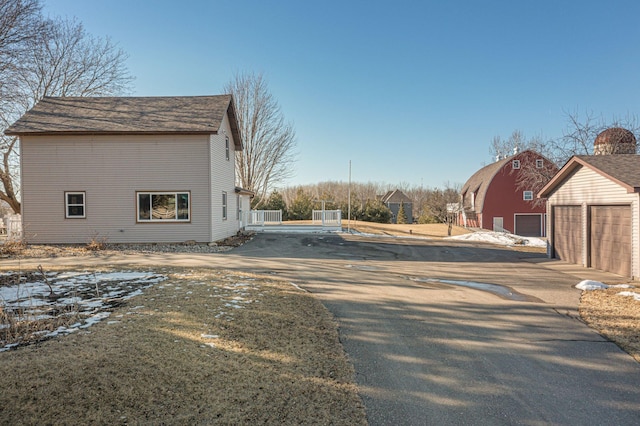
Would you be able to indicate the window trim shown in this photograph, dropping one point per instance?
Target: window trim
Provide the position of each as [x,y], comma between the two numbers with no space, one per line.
[539,163]
[524,195]
[225,200]
[515,164]
[67,205]
[151,219]
[226,146]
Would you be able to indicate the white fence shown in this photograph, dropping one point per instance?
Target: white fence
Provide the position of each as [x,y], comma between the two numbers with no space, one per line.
[265,217]
[12,227]
[327,217]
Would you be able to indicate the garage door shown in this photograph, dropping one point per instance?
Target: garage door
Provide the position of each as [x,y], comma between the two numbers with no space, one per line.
[567,233]
[610,239]
[529,225]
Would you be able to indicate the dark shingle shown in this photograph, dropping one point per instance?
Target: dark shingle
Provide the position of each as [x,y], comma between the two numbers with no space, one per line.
[623,169]
[131,115]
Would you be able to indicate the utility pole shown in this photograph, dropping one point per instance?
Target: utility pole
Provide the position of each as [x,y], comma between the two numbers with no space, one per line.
[349,201]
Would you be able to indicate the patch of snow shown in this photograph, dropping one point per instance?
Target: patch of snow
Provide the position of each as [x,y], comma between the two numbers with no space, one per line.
[591,285]
[209,336]
[636,296]
[501,238]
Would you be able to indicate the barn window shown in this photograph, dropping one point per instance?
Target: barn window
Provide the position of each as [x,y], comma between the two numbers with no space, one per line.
[539,163]
[515,164]
[527,195]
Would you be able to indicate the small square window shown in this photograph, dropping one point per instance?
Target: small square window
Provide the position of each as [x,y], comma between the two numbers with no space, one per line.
[226,147]
[539,163]
[515,164]
[527,195]
[74,205]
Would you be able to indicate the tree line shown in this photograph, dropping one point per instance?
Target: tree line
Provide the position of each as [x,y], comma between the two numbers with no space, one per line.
[429,205]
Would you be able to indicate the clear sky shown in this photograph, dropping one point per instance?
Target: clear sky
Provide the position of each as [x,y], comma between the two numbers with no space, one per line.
[409,91]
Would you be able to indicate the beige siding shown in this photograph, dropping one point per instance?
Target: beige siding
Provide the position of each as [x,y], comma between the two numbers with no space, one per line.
[110,169]
[223,180]
[586,187]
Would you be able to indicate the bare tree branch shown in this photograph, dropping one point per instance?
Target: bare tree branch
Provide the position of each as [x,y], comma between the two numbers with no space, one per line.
[41,57]
[268,141]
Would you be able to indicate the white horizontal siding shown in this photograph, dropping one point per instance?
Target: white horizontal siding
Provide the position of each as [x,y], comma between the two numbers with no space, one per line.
[110,169]
[223,180]
[586,187]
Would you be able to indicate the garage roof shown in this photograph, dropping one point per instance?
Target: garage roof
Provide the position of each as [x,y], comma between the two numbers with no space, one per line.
[624,169]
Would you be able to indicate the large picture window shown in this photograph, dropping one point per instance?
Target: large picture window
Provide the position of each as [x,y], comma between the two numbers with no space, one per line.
[164,206]
[74,204]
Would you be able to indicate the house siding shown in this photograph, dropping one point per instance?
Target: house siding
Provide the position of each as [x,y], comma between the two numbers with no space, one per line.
[52,165]
[586,187]
[222,179]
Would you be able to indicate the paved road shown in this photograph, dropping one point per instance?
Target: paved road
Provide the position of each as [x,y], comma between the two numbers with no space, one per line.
[428,350]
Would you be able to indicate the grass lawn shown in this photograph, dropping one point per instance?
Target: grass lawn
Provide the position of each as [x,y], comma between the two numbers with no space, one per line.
[202,347]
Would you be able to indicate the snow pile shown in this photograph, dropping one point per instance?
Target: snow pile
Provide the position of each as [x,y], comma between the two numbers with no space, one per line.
[597,285]
[502,238]
[591,285]
[636,296]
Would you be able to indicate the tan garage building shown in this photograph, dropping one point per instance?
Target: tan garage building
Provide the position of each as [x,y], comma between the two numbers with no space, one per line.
[593,211]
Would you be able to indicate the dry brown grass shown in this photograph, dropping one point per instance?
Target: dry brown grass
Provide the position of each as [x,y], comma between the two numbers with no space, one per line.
[182,354]
[615,317]
[437,230]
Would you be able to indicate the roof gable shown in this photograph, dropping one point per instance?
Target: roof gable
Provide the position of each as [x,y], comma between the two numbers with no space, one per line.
[395,196]
[623,169]
[128,115]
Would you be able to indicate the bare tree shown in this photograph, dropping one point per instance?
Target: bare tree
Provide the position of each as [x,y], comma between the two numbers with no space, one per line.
[58,59]
[440,204]
[577,139]
[269,141]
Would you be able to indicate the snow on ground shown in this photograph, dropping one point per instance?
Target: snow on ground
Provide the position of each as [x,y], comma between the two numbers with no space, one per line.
[84,294]
[502,238]
[588,285]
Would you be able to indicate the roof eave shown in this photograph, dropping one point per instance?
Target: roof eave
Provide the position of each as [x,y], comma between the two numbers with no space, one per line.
[107,133]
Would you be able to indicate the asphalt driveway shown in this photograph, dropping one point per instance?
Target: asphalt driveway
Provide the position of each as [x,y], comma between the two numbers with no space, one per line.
[429,349]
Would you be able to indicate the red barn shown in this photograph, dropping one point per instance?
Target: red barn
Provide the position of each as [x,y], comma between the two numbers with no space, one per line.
[494,199]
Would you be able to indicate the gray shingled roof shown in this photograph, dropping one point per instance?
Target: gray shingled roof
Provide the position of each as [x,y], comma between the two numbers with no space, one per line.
[624,169]
[128,115]
[479,183]
[395,196]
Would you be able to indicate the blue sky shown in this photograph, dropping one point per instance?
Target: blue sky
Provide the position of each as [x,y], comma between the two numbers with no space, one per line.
[409,91]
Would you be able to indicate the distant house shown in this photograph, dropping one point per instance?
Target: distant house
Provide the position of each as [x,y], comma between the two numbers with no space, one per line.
[130,169]
[594,208]
[393,200]
[491,198]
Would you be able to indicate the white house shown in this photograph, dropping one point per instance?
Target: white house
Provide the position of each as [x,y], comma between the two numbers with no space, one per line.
[130,169]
